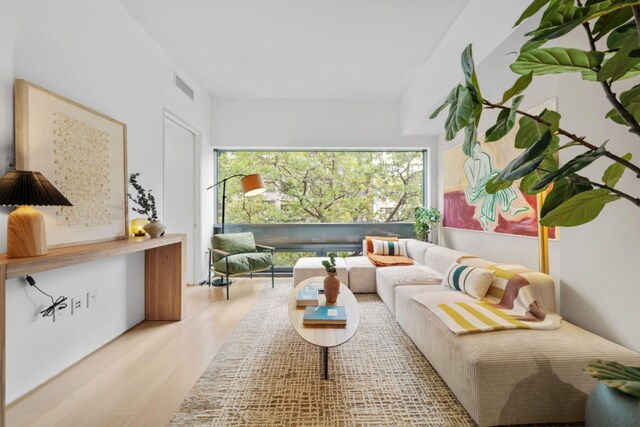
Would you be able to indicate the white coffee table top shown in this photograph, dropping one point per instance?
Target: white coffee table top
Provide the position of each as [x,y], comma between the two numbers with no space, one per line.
[325,335]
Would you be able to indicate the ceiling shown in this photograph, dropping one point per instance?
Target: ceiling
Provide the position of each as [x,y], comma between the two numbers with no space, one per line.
[271,49]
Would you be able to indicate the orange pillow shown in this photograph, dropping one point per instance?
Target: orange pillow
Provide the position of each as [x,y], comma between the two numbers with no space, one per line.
[370,243]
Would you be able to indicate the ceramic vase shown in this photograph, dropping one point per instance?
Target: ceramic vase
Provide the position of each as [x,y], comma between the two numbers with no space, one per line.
[331,287]
[155,229]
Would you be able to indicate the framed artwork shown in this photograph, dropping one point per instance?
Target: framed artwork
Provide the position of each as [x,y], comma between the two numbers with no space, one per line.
[83,153]
[468,206]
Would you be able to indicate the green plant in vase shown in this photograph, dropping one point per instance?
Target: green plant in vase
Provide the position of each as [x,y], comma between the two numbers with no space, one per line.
[146,203]
[426,219]
[331,281]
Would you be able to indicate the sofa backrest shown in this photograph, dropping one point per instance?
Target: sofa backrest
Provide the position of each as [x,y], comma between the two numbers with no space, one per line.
[440,258]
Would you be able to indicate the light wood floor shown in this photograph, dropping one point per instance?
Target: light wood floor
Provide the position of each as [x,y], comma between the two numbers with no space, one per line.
[141,378]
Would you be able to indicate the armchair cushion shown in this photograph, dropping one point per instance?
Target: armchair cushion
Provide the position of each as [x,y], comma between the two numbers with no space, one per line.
[245,263]
[234,243]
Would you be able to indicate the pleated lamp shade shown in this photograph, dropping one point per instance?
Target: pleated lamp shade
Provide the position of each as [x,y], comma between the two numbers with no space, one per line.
[26,236]
[252,185]
[29,188]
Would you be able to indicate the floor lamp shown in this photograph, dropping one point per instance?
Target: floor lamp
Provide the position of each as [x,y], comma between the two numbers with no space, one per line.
[543,237]
[252,185]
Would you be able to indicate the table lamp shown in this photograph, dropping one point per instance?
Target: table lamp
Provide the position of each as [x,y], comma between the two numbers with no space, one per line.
[252,185]
[26,235]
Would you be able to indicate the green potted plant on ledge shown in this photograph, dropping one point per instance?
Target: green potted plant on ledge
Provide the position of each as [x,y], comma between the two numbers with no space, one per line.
[612,30]
[426,220]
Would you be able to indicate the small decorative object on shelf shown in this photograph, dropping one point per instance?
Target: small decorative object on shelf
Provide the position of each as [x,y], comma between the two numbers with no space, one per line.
[331,281]
[136,227]
[426,219]
[147,206]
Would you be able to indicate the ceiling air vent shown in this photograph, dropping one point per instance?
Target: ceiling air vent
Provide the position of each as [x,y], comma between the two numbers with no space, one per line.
[180,84]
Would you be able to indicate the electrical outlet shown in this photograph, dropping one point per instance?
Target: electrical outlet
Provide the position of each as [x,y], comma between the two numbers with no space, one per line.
[91,299]
[77,305]
[60,314]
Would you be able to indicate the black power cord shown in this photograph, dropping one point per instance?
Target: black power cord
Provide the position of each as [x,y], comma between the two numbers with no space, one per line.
[59,303]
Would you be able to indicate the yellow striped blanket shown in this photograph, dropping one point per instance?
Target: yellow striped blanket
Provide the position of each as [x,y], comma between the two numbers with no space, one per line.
[515,300]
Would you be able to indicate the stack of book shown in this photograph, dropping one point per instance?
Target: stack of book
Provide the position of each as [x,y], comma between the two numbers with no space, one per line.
[307,297]
[325,315]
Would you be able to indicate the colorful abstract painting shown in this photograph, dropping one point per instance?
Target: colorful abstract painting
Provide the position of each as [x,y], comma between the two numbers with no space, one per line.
[468,206]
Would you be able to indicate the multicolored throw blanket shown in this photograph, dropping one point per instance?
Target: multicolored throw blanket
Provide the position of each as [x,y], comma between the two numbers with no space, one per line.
[517,299]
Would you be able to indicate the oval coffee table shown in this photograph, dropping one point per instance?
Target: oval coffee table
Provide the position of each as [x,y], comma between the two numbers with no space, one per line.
[325,336]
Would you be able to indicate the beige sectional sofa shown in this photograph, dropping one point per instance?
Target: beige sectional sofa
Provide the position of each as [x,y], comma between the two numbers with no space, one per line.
[505,377]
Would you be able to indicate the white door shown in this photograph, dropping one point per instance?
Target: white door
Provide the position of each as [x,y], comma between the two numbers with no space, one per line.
[179,186]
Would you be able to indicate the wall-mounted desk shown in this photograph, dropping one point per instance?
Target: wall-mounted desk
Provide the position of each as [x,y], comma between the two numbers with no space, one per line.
[164,278]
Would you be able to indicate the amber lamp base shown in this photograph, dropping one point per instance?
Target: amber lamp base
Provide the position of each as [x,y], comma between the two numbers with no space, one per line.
[26,233]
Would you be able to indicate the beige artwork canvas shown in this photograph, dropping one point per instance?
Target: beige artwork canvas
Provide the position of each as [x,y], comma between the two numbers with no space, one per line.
[83,153]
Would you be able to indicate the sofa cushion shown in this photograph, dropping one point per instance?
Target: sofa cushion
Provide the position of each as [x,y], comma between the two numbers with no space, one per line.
[362,274]
[387,278]
[234,243]
[474,281]
[307,267]
[440,258]
[245,263]
[385,247]
[507,377]
[416,249]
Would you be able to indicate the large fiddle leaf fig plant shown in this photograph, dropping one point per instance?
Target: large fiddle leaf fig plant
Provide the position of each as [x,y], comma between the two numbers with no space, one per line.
[612,29]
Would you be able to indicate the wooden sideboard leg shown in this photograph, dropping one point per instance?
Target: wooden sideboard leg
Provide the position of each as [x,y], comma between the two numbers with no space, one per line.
[165,282]
[3,345]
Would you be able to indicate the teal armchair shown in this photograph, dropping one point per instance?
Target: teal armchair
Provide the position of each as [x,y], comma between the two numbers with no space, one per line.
[233,254]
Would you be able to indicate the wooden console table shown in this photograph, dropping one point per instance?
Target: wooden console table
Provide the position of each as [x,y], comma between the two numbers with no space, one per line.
[164,278]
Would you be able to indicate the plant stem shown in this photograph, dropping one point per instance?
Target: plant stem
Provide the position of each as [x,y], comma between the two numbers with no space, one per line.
[634,127]
[634,200]
[571,136]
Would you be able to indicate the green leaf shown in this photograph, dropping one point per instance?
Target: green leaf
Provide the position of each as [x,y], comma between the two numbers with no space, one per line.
[494,185]
[579,209]
[445,104]
[468,68]
[470,136]
[526,162]
[630,99]
[531,130]
[614,172]
[592,76]
[530,45]
[572,166]
[618,37]
[518,87]
[531,10]
[554,60]
[460,110]
[548,165]
[619,64]
[607,23]
[563,190]
[505,122]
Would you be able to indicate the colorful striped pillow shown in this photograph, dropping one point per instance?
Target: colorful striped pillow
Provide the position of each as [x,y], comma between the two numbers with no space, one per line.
[383,247]
[474,281]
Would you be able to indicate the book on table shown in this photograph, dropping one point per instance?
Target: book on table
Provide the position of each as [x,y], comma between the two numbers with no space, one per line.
[325,315]
[307,297]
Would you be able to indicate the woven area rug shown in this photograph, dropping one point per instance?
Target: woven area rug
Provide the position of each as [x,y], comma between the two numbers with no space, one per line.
[267,375]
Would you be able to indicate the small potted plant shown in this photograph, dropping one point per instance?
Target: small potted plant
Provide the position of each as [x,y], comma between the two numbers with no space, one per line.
[331,281]
[146,203]
[426,219]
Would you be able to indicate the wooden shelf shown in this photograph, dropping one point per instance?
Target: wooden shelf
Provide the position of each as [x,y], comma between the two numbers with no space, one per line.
[63,257]
[164,281]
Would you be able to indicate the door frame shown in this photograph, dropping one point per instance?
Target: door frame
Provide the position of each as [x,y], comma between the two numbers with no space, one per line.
[197,183]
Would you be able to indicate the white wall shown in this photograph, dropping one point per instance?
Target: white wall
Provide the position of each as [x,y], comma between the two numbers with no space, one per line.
[93,52]
[600,284]
[299,123]
[495,77]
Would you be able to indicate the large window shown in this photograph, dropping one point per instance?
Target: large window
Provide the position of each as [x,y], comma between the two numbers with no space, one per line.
[324,186]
